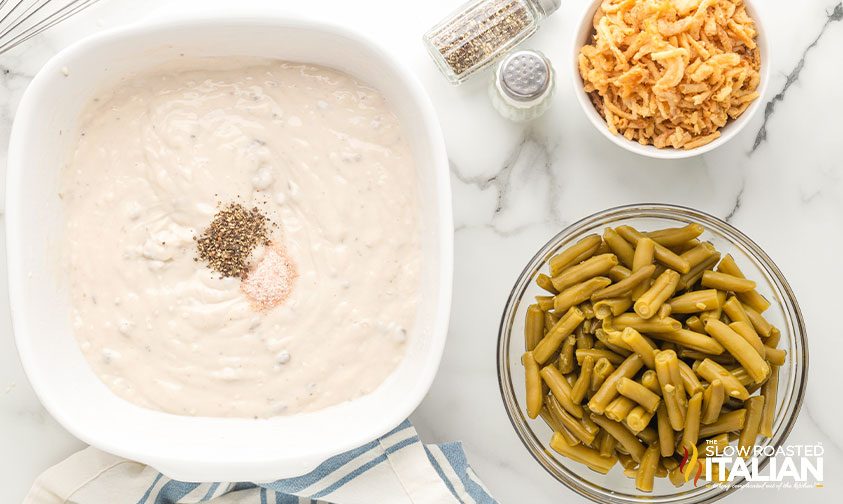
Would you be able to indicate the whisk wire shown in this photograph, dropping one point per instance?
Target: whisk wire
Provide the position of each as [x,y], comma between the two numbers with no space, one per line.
[31,18]
[30,10]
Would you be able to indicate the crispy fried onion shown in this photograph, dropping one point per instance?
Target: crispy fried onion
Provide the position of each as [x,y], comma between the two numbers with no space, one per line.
[671,73]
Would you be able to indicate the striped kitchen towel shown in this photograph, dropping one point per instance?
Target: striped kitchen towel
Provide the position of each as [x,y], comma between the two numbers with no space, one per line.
[394,469]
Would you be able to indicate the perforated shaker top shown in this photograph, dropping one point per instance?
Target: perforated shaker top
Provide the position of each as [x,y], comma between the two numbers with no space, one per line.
[524,75]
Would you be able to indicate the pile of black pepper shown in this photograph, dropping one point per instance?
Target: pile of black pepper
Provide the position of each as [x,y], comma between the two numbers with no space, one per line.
[234,233]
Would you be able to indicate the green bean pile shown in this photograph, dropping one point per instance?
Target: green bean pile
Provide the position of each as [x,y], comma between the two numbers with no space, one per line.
[647,346]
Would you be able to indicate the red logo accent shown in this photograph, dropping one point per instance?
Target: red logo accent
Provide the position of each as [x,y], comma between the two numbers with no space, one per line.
[684,458]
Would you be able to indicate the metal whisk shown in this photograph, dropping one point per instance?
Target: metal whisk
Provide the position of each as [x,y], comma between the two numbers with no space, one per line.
[20,20]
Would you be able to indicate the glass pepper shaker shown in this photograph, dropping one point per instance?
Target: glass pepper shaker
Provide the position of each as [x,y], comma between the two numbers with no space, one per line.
[523,85]
[474,36]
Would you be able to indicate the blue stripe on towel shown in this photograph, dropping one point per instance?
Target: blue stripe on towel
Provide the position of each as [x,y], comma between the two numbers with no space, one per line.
[211,490]
[456,457]
[403,425]
[173,491]
[350,476]
[149,490]
[365,467]
[299,483]
[242,486]
[414,437]
[401,444]
[352,464]
[441,473]
[282,498]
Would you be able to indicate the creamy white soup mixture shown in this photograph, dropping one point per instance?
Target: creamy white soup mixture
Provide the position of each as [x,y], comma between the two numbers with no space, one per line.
[322,157]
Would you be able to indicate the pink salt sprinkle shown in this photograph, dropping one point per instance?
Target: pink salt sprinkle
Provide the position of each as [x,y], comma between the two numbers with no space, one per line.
[270,281]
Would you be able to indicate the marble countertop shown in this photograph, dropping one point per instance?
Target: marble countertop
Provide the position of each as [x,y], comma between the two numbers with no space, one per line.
[514,186]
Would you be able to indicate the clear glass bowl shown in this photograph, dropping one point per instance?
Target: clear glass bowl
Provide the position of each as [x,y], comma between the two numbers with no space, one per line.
[783,313]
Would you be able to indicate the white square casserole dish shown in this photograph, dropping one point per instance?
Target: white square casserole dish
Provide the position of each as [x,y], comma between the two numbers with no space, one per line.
[197,448]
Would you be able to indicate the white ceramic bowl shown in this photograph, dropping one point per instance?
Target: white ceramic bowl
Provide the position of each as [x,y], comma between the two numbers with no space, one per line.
[186,448]
[728,132]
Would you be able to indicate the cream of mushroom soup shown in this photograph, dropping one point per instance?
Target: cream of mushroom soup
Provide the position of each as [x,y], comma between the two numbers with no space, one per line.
[322,313]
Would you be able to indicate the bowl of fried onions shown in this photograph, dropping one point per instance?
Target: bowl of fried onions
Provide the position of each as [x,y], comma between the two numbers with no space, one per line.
[670,78]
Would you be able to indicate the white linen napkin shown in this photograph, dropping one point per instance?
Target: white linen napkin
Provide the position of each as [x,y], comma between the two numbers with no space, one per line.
[394,469]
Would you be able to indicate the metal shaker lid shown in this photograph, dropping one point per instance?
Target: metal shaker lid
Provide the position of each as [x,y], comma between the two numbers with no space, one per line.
[549,6]
[524,75]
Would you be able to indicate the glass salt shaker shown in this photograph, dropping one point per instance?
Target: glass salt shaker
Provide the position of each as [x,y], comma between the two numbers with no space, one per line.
[474,36]
[523,85]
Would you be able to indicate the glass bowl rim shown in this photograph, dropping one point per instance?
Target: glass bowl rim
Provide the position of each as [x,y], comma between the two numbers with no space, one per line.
[793,399]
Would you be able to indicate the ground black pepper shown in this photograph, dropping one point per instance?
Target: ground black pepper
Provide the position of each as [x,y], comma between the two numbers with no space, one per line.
[234,233]
[481,32]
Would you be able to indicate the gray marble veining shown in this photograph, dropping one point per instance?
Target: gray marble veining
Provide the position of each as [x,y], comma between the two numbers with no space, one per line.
[834,16]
